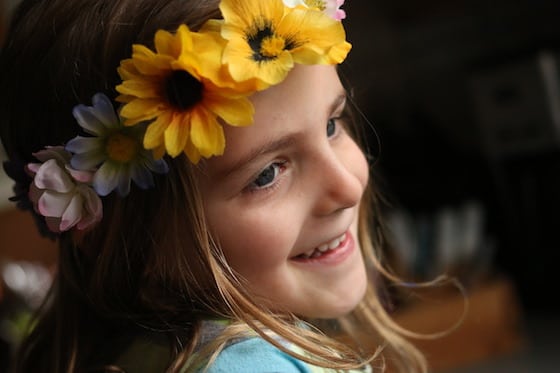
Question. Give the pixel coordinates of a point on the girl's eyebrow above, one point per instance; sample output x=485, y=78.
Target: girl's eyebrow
x=265, y=148
x=340, y=101
x=276, y=144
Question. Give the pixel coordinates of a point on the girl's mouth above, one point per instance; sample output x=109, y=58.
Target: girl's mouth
x=323, y=249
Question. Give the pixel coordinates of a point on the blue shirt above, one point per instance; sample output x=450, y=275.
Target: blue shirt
x=255, y=355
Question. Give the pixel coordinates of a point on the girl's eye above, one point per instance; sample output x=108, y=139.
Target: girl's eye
x=331, y=127
x=267, y=176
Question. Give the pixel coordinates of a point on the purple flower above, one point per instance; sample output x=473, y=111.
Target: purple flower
x=114, y=152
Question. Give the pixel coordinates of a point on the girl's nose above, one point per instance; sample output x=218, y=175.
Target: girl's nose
x=341, y=181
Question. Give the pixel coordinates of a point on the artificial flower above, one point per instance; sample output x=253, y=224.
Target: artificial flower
x=266, y=38
x=17, y=170
x=182, y=88
x=61, y=194
x=118, y=149
x=330, y=7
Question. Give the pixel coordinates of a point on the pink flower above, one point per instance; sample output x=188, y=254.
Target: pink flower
x=330, y=7
x=333, y=9
x=64, y=196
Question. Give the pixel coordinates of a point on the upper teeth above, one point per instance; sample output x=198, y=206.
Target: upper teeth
x=325, y=247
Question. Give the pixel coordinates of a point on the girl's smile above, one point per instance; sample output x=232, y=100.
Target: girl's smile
x=332, y=252
x=282, y=202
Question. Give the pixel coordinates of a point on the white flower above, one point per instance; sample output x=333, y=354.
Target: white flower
x=61, y=194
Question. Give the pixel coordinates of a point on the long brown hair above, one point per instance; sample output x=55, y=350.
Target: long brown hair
x=151, y=265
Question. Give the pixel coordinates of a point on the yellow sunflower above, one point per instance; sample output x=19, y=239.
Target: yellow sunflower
x=182, y=89
x=266, y=38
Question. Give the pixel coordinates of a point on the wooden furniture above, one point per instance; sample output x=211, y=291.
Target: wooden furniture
x=20, y=240
x=491, y=327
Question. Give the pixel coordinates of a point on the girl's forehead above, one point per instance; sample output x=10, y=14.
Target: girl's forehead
x=283, y=113
x=303, y=83
x=307, y=92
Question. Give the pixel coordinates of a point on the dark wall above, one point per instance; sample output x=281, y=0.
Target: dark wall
x=463, y=96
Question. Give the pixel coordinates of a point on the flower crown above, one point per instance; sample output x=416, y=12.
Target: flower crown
x=174, y=99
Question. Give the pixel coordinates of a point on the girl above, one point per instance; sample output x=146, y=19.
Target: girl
x=197, y=164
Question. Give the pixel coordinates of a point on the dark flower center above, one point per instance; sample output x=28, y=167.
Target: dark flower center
x=265, y=44
x=183, y=90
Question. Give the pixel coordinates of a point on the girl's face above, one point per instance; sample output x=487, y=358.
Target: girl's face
x=283, y=200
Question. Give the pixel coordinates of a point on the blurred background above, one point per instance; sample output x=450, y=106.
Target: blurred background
x=465, y=98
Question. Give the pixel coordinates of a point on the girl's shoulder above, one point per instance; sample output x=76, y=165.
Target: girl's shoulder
x=256, y=355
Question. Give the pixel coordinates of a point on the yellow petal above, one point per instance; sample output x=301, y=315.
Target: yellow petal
x=207, y=134
x=141, y=109
x=141, y=88
x=241, y=87
x=189, y=63
x=243, y=67
x=234, y=111
x=167, y=43
x=177, y=133
x=320, y=39
x=212, y=25
x=239, y=56
x=149, y=63
x=246, y=13
x=338, y=52
x=124, y=98
x=127, y=70
x=153, y=138
x=192, y=152
x=312, y=54
x=208, y=49
x=274, y=71
x=163, y=42
x=183, y=40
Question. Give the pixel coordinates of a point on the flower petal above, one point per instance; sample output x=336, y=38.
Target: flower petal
x=141, y=88
x=154, y=133
x=139, y=110
x=207, y=134
x=82, y=176
x=245, y=13
x=104, y=110
x=105, y=179
x=93, y=209
x=177, y=134
x=53, y=223
x=88, y=120
x=51, y=176
x=124, y=176
x=166, y=44
x=236, y=111
x=148, y=62
x=159, y=166
x=87, y=161
x=192, y=152
x=53, y=203
x=72, y=214
x=127, y=70
x=80, y=144
x=142, y=177
x=53, y=152
x=34, y=195
x=293, y=3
